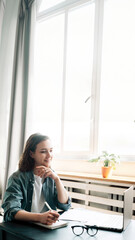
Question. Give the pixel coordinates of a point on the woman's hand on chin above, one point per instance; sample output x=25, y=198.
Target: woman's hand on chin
x=45, y=172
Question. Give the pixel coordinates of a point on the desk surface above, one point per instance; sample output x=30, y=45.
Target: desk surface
x=28, y=231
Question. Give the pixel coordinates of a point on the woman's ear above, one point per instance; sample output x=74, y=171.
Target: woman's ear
x=31, y=154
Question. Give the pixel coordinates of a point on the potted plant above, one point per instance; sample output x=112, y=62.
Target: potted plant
x=109, y=162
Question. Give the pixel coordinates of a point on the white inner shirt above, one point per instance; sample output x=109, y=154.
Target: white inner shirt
x=38, y=199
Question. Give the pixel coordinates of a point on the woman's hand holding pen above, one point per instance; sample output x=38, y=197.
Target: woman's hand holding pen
x=45, y=172
x=48, y=217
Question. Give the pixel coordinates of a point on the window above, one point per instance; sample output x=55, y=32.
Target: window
x=83, y=92
x=79, y=59
x=48, y=83
x=117, y=115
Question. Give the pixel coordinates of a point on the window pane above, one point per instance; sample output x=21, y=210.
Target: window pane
x=48, y=78
x=117, y=128
x=78, y=78
x=45, y=4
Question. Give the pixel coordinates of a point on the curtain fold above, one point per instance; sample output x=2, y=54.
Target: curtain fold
x=15, y=68
x=2, y=9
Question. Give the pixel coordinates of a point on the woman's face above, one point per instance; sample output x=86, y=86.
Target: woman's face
x=43, y=154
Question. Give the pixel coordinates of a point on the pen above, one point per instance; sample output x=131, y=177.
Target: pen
x=48, y=206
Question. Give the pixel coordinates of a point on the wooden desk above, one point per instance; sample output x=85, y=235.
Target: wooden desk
x=28, y=231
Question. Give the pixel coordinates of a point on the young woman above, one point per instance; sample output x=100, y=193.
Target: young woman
x=34, y=183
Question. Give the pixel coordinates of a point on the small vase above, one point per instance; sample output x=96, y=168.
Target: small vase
x=106, y=172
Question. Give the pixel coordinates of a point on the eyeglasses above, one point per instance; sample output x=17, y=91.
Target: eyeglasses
x=79, y=229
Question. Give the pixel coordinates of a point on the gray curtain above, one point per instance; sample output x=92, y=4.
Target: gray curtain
x=2, y=9
x=15, y=69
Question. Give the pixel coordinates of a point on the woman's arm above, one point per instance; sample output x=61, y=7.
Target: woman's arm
x=48, y=217
x=61, y=191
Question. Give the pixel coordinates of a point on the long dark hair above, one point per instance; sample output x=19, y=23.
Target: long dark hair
x=26, y=162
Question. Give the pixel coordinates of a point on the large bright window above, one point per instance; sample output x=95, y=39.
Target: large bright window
x=48, y=78
x=79, y=61
x=83, y=91
x=117, y=114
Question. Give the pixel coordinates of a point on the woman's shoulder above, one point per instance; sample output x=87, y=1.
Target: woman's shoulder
x=18, y=175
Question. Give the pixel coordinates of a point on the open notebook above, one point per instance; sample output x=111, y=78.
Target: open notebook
x=55, y=225
x=110, y=222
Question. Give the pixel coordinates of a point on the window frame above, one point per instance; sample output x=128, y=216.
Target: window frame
x=65, y=7
x=95, y=92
